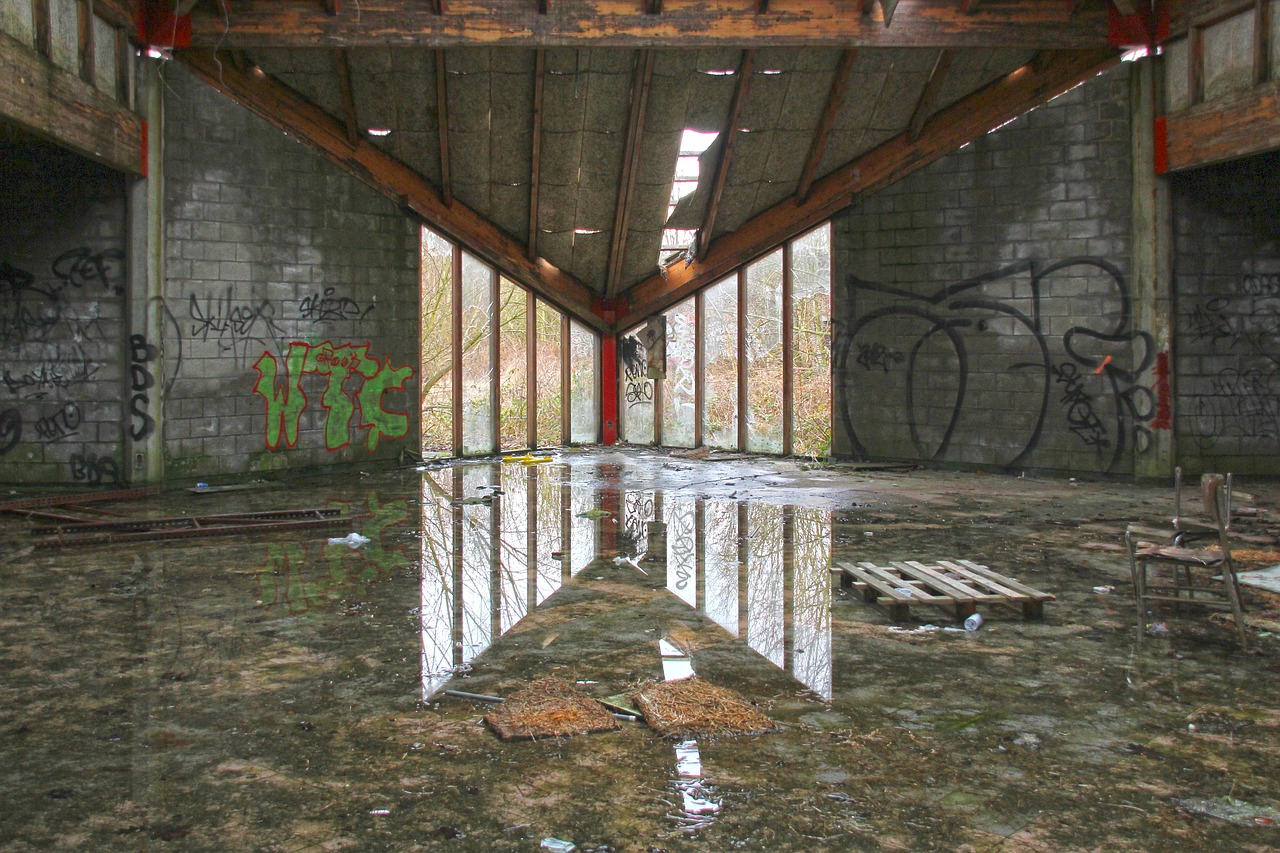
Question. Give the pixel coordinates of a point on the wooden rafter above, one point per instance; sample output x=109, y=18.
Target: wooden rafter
x=544, y=6
x=640, y=82
x=289, y=111
x=727, y=141
x=43, y=27
x=535, y=156
x=955, y=125
x=928, y=101
x=1261, y=41
x=442, y=124
x=1237, y=125
x=653, y=7
x=84, y=35
x=818, y=146
x=624, y=23
x=439, y=7
x=342, y=65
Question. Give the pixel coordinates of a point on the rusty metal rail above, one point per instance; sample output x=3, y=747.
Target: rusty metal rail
x=130, y=525
x=77, y=498
x=228, y=526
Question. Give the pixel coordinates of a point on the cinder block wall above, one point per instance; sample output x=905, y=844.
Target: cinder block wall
x=983, y=303
x=62, y=309
x=291, y=298
x=1227, y=344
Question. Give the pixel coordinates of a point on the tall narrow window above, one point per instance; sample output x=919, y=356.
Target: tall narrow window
x=513, y=362
x=549, y=403
x=437, y=344
x=584, y=361
x=637, y=389
x=763, y=347
x=811, y=342
x=678, y=414
x=720, y=364
x=477, y=318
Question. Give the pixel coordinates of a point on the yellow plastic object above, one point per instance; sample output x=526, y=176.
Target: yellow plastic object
x=527, y=459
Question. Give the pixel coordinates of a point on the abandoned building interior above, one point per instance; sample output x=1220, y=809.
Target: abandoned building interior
x=640, y=426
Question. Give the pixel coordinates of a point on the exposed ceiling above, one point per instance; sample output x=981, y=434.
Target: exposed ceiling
x=551, y=138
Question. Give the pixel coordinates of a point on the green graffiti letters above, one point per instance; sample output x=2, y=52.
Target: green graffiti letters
x=286, y=401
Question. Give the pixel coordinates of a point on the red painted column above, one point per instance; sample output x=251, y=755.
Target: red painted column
x=609, y=389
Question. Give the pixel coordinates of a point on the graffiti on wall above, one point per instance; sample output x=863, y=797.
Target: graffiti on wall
x=328, y=306
x=141, y=380
x=286, y=400
x=237, y=327
x=999, y=362
x=94, y=470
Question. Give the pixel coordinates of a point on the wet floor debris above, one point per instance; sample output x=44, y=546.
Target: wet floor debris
x=693, y=707
x=1234, y=811
x=549, y=707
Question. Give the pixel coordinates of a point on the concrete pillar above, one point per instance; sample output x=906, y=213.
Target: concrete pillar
x=1152, y=281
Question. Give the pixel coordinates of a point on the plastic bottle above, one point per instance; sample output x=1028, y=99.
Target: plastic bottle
x=974, y=622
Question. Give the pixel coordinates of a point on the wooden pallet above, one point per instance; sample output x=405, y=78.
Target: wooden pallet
x=961, y=584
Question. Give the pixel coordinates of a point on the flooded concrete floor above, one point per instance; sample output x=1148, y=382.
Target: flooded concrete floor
x=277, y=692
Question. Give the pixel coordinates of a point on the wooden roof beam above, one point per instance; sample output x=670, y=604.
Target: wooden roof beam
x=289, y=111
x=535, y=156
x=929, y=95
x=727, y=140
x=818, y=147
x=442, y=125
x=961, y=122
x=641, y=81
x=653, y=7
x=342, y=65
x=1028, y=24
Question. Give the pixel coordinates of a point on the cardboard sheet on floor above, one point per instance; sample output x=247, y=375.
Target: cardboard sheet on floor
x=549, y=707
x=692, y=707
x=1268, y=579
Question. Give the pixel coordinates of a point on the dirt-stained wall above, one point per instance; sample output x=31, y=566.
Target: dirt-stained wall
x=984, y=304
x=291, y=299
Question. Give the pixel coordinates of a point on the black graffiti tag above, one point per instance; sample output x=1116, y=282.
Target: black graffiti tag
x=1081, y=418
x=141, y=380
x=89, y=467
x=63, y=423
x=325, y=307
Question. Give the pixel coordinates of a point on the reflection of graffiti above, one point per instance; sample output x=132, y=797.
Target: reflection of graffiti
x=89, y=467
x=291, y=580
x=141, y=380
x=327, y=306
x=286, y=402
x=983, y=345
x=63, y=423
x=876, y=354
x=234, y=326
x=10, y=429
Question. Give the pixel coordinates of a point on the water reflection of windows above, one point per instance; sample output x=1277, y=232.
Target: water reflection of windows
x=765, y=583
x=721, y=563
x=682, y=548
x=811, y=599
x=438, y=650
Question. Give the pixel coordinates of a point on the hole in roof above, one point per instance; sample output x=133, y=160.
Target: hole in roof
x=586, y=231
x=719, y=72
x=1136, y=53
x=684, y=182
x=379, y=131
x=771, y=71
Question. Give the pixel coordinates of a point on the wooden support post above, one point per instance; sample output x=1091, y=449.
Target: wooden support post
x=457, y=349
x=788, y=356
x=442, y=123
x=531, y=368
x=742, y=358
x=43, y=27
x=535, y=157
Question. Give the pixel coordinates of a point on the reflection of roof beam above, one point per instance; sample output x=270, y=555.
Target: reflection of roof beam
x=818, y=147
x=442, y=124
x=535, y=156
x=289, y=111
x=623, y=23
x=49, y=101
x=961, y=122
x=929, y=96
x=342, y=64
x=639, y=98
x=746, y=68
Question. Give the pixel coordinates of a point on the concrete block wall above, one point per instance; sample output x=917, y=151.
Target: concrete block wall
x=1226, y=237
x=62, y=310
x=291, y=299
x=982, y=304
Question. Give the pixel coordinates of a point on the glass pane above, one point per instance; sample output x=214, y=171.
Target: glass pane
x=764, y=354
x=550, y=406
x=636, y=391
x=551, y=520
x=811, y=343
x=720, y=364
x=477, y=367
x=513, y=366
x=584, y=415
x=677, y=389
x=437, y=345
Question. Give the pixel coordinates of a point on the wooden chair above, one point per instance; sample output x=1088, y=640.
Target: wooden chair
x=1179, y=573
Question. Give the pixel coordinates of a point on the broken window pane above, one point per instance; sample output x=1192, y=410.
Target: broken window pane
x=720, y=364
x=677, y=391
x=477, y=363
x=811, y=343
x=437, y=344
x=548, y=401
x=584, y=422
x=763, y=345
x=513, y=366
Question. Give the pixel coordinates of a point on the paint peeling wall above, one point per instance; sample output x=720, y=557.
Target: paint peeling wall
x=983, y=304
x=290, y=299
x=1227, y=278
x=62, y=331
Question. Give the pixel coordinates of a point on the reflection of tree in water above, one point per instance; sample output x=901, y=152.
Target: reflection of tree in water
x=811, y=598
x=765, y=581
